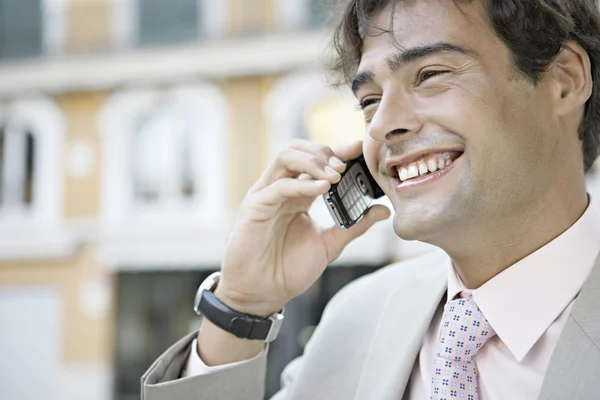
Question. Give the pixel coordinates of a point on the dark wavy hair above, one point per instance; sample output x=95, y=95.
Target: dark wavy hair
x=534, y=31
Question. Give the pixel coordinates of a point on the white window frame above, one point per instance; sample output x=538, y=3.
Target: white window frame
x=47, y=125
x=142, y=238
x=38, y=232
x=125, y=21
x=54, y=30
x=120, y=211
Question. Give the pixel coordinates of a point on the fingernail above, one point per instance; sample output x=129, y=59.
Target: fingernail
x=335, y=162
x=330, y=170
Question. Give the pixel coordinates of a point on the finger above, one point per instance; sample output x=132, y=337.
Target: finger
x=291, y=163
x=320, y=150
x=336, y=239
x=289, y=188
x=349, y=151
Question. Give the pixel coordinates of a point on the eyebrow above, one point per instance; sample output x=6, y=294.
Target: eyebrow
x=403, y=58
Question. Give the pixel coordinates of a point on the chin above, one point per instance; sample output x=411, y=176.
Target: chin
x=421, y=230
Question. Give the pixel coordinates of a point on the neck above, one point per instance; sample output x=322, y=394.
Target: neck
x=479, y=256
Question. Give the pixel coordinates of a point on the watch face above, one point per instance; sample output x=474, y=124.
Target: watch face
x=210, y=284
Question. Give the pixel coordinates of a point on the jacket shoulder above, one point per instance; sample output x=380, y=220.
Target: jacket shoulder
x=430, y=265
x=342, y=341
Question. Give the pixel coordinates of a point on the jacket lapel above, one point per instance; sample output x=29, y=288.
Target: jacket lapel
x=399, y=334
x=574, y=369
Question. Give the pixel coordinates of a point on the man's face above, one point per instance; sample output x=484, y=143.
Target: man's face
x=449, y=100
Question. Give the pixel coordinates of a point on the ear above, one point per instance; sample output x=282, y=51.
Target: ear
x=572, y=72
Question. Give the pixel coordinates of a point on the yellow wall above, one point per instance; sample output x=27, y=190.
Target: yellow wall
x=88, y=25
x=86, y=338
x=333, y=121
x=254, y=16
x=247, y=136
x=82, y=195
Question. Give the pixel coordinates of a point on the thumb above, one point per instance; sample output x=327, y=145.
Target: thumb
x=336, y=239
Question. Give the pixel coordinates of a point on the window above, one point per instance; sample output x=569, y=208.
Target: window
x=162, y=159
x=17, y=167
x=164, y=178
x=164, y=22
x=319, y=12
x=20, y=28
x=165, y=158
x=31, y=179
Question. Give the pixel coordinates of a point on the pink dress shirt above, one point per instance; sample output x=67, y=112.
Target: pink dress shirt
x=526, y=304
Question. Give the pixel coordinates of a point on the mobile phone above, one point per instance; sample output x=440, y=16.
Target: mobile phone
x=350, y=198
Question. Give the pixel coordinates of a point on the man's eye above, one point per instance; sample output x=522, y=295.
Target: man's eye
x=423, y=76
x=367, y=102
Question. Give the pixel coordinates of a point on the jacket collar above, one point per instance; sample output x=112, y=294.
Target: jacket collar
x=402, y=324
x=575, y=364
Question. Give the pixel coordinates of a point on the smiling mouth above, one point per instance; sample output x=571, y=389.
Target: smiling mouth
x=424, y=166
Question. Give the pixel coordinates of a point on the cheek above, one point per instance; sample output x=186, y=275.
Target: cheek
x=521, y=130
x=371, y=150
x=507, y=144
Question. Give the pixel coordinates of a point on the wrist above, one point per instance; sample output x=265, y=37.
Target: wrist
x=245, y=320
x=246, y=304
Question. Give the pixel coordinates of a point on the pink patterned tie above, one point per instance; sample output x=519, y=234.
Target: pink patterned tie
x=464, y=331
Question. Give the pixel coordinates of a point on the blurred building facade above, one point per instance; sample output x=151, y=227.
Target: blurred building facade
x=130, y=131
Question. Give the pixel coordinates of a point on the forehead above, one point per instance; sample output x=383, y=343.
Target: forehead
x=423, y=22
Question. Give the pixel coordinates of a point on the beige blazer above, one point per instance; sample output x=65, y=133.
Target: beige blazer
x=367, y=342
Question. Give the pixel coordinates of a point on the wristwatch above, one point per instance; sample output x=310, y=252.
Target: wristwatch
x=244, y=326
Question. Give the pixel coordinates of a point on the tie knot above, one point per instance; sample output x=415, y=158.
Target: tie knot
x=464, y=330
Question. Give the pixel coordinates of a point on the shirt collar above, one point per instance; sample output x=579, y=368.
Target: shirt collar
x=522, y=301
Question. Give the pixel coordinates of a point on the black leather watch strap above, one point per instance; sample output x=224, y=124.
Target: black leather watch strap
x=242, y=325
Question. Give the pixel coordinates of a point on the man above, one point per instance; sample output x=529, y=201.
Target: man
x=482, y=117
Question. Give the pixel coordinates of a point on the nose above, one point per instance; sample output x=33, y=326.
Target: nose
x=394, y=121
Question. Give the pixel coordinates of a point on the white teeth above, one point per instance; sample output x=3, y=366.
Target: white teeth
x=413, y=171
x=403, y=174
x=432, y=165
x=424, y=167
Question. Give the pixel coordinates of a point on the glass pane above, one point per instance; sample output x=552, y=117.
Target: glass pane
x=188, y=184
x=29, y=169
x=20, y=28
x=172, y=21
x=149, y=140
x=162, y=158
x=320, y=12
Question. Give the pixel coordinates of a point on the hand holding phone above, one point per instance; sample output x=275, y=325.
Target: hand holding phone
x=350, y=198
x=276, y=251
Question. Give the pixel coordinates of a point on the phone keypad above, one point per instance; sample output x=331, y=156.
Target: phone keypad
x=353, y=200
